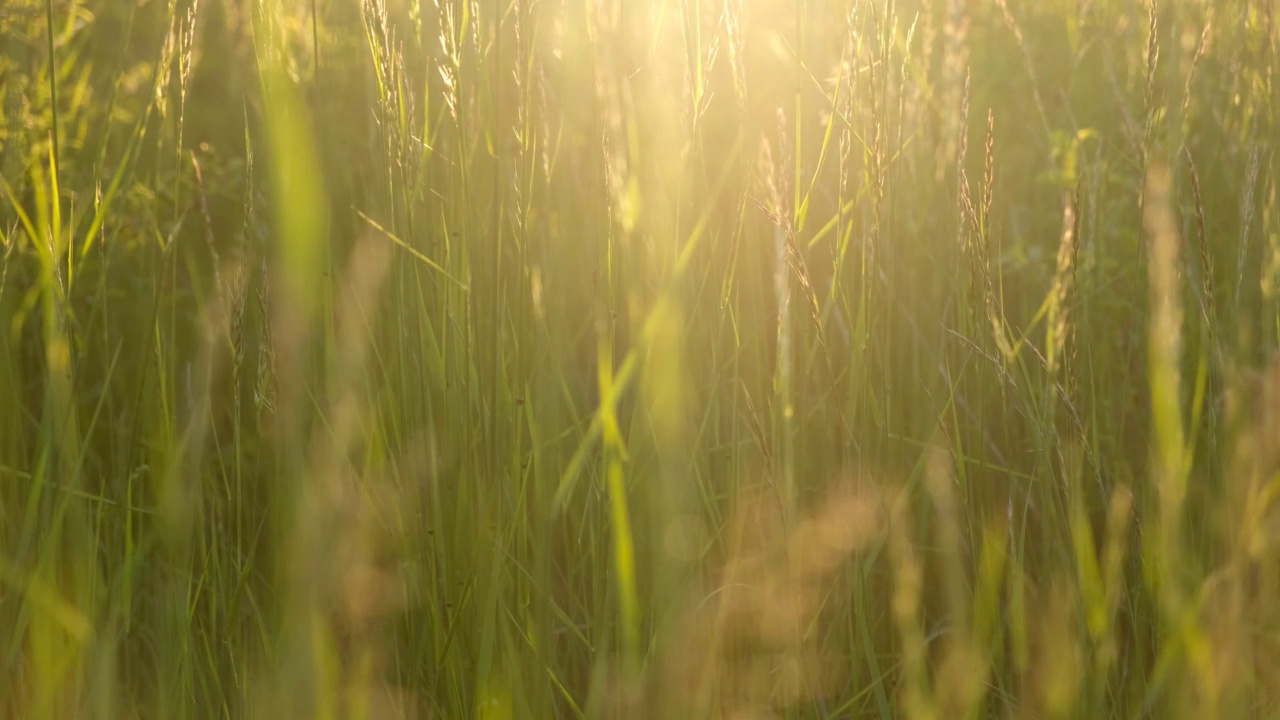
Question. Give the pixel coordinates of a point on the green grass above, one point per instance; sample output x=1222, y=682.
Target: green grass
x=724, y=359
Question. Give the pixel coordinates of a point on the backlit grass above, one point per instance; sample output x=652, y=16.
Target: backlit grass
x=707, y=359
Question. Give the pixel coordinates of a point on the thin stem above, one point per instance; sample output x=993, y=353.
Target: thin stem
x=53, y=82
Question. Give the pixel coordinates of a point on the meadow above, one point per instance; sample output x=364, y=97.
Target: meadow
x=639, y=359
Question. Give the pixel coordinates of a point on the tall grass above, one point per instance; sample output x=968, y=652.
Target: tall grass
x=886, y=358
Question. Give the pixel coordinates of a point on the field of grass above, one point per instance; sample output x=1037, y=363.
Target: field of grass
x=639, y=359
